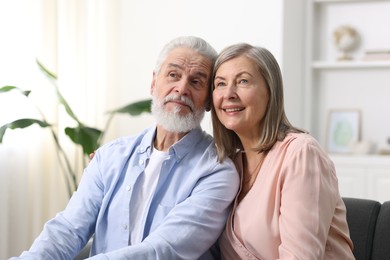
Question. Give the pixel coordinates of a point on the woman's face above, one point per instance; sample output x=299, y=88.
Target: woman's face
x=240, y=96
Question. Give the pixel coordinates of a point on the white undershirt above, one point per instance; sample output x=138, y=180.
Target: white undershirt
x=146, y=186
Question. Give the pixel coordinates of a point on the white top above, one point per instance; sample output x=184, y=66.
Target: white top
x=147, y=186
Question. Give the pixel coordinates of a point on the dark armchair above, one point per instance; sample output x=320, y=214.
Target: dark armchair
x=369, y=226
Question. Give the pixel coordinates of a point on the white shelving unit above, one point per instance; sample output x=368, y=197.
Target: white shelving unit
x=356, y=84
x=328, y=84
x=366, y=177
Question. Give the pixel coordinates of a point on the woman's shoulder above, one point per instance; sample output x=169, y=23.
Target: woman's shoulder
x=300, y=142
x=301, y=138
x=304, y=149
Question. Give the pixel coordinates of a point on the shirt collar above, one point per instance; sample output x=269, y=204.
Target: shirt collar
x=179, y=149
x=186, y=144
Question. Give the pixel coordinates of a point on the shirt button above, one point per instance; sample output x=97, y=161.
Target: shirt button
x=128, y=187
x=124, y=226
x=141, y=162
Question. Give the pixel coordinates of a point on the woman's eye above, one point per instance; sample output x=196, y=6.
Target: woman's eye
x=219, y=84
x=243, y=81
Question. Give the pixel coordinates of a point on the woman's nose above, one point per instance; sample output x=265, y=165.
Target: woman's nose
x=230, y=92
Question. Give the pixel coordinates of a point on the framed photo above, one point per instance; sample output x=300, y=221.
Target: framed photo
x=343, y=130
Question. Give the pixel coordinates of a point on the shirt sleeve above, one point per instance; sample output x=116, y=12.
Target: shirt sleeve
x=66, y=234
x=193, y=225
x=308, y=200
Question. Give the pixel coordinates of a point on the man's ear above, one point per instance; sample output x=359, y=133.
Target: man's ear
x=208, y=104
x=153, y=84
x=208, y=101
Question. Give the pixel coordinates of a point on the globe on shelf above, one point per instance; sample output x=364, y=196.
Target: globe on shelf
x=346, y=39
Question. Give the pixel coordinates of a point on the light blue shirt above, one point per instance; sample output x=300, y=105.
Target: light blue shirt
x=187, y=213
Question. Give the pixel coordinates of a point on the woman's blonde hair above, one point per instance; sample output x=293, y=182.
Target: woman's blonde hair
x=275, y=122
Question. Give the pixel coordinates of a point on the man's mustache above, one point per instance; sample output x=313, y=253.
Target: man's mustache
x=182, y=99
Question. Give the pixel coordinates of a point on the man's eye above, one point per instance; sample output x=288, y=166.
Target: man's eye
x=195, y=82
x=172, y=75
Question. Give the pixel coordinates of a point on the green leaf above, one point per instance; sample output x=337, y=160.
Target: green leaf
x=68, y=109
x=53, y=78
x=21, y=123
x=87, y=137
x=9, y=88
x=135, y=108
x=48, y=73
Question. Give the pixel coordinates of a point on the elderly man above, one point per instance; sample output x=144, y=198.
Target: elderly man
x=160, y=194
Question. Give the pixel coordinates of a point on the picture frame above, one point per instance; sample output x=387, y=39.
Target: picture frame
x=343, y=130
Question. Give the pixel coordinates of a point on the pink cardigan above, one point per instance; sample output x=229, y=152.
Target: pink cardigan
x=294, y=209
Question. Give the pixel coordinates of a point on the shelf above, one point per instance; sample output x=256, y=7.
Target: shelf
x=345, y=1
x=371, y=159
x=350, y=64
x=358, y=83
x=329, y=84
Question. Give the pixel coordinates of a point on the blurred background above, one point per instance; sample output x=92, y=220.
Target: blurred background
x=104, y=51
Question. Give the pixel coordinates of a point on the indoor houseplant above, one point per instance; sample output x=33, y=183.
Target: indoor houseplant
x=83, y=136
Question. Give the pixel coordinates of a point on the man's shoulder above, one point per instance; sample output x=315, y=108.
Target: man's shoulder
x=125, y=143
x=200, y=134
x=195, y=142
x=199, y=148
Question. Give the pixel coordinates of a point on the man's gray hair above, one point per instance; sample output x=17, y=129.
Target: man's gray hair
x=195, y=43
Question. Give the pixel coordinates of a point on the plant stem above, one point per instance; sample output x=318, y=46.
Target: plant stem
x=67, y=168
x=71, y=175
x=100, y=140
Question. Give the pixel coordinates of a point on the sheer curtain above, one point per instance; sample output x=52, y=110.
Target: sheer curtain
x=75, y=39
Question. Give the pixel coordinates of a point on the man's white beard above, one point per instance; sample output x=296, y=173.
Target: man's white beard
x=172, y=121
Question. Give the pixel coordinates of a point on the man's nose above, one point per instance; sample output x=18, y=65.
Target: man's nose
x=182, y=87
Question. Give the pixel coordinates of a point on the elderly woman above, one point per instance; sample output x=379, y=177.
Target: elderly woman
x=289, y=206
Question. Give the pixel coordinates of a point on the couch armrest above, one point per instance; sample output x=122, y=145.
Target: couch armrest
x=381, y=247
x=362, y=217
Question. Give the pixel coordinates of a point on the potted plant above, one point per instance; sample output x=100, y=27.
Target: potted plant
x=83, y=136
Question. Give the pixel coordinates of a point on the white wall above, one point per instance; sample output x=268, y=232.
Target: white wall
x=27, y=161
x=145, y=26
x=133, y=36
x=293, y=60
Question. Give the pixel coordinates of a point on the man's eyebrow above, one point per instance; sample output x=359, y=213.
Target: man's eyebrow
x=202, y=74
x=174, y=65
x=198, y=73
